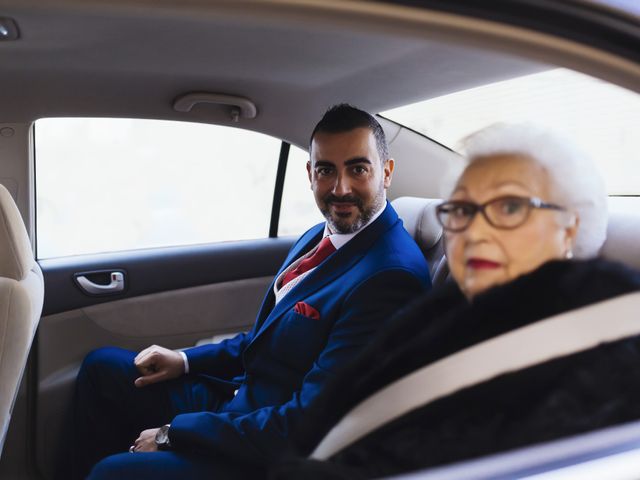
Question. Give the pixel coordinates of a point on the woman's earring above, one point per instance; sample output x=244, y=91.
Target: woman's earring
x=569, y=254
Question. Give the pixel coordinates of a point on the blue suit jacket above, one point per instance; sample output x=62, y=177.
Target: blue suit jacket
x=286, y=359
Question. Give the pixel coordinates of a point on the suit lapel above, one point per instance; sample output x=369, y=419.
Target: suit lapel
x=328, y=271
x=309, y=240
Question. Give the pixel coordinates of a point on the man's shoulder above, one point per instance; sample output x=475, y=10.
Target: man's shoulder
x=392, y=247
x=397, y=246
x=393, y=251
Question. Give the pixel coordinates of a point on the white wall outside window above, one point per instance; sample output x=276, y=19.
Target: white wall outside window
x=601, y=118
x=299, y=211
x=107, y=185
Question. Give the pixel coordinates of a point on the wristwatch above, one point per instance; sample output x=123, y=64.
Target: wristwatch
x=162, y=438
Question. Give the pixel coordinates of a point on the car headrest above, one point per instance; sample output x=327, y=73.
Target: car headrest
x=16, y=256
x=622, y=244
x=419, y=218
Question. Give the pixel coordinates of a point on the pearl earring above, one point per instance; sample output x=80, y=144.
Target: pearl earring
x=569, y=254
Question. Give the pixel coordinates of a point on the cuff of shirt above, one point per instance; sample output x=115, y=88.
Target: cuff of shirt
x=186, y=362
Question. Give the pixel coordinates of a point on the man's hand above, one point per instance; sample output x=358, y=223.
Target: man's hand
x=146, y=441
x=157, y=364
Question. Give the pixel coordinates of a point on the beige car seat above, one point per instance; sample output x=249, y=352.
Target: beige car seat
x=21, y=298
x=623, y=235
x=419, y=219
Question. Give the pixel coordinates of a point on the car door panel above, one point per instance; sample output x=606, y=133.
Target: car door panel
x=156, y=270
x=174, y=297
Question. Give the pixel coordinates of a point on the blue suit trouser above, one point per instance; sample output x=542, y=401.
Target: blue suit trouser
x=110, y=412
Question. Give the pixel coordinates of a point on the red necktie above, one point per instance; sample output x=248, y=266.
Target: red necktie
x=325, y=248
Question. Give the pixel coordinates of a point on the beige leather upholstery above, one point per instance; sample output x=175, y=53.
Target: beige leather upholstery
x=419, y=218
x=623, y=239
x=21, y=297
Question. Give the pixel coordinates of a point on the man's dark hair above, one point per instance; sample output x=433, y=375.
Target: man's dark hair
x=344, y=117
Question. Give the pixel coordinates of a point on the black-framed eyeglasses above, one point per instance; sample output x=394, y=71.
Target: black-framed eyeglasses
x=506, y=212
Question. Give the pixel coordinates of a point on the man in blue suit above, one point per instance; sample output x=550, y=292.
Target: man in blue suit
x=226, y=410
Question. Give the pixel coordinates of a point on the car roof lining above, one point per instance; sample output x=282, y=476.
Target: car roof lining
x=93, y=58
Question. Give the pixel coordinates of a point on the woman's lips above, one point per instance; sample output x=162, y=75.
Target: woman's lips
x=481, y=263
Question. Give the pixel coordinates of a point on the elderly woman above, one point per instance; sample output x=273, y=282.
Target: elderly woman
x=526, y=204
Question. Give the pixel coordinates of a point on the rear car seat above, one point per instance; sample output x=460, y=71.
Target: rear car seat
x=419, y=218
x=623, y=239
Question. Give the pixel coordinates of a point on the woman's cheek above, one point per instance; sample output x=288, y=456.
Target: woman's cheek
x=455, y=256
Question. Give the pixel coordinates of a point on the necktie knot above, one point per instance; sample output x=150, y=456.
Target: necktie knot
x=324, y=249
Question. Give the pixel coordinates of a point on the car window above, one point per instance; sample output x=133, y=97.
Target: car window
x=107, y=185
x=600, y=117
x=299, y=211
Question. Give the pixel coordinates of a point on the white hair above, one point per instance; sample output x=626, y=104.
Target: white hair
x=575, y=181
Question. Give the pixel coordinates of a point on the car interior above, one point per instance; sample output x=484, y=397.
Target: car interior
x=268, y=68
x=22, y=294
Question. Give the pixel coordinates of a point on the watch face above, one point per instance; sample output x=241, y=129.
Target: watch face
x=162, y=436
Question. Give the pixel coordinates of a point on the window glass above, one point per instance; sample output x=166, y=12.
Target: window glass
x=118, y=184
x=299, y=211
x=600, y=117
x=628, y=6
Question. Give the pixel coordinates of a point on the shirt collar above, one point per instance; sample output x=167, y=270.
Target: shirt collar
x=340, y=239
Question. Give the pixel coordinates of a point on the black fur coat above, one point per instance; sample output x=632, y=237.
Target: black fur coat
x=585, y=391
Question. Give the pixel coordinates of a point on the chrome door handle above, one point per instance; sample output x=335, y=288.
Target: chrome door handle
x=116, y=285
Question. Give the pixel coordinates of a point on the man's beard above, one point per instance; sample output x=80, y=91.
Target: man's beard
x=346, y=225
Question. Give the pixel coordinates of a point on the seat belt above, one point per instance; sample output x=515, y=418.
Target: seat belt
x=553, y=337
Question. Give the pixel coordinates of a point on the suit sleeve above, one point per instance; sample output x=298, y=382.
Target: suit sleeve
x=222, y=359
x=262, y=435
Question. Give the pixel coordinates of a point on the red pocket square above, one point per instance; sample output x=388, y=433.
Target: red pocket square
x=306, y=310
